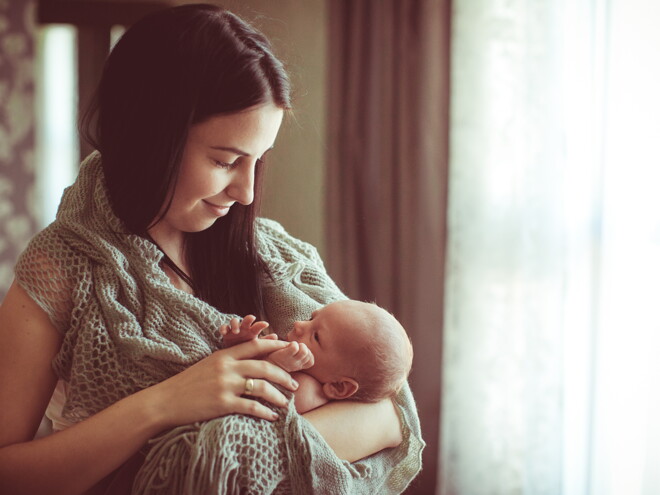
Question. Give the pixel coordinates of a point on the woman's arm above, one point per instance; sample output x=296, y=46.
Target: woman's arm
x=73, y=460
x=355, y=430
x=70, y=461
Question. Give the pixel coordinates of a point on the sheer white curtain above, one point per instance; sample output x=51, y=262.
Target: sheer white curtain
x=553, y=272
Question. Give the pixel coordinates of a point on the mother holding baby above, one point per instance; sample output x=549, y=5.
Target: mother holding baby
x=112, y=325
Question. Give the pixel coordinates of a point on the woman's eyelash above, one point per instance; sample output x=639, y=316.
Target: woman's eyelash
x=218, y=163
x=224, y=164
x=316, y=336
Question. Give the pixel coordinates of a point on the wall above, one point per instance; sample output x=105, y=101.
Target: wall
x=17, y=217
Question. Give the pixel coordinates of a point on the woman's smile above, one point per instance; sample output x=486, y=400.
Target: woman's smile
x=217, y=210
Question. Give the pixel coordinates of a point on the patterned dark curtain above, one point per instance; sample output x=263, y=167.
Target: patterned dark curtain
x=17, y=137
x=387, y=176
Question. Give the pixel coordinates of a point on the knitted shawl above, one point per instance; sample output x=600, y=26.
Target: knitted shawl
x=126, y=327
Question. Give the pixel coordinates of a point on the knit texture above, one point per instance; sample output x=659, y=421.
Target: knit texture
x=125, y=327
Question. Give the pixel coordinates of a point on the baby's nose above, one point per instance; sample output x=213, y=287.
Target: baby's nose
x=293, y=333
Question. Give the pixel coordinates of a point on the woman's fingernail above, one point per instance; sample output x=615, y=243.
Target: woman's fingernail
x=294, y=383
x=274, y=415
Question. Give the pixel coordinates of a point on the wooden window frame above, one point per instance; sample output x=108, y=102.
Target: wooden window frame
x=93, y=21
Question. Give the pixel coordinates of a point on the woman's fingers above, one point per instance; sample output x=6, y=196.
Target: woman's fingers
x=264, y=370
x=264, y=390
x=256, y=348
x=254, y=408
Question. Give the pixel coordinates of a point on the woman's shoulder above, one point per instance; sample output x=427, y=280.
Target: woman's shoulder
x=47, y=249
x=47, y=270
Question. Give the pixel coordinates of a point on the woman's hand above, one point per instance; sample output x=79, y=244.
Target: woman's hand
x=217, y=385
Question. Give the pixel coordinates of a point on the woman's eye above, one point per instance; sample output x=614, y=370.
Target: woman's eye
x=220, y=164
x=316, y=336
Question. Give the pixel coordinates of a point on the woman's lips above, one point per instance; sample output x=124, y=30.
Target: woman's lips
x=218, y=211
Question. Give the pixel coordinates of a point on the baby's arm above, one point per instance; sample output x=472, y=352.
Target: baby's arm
x=309, y=394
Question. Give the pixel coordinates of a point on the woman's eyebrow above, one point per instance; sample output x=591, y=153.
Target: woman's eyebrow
x=236, y=151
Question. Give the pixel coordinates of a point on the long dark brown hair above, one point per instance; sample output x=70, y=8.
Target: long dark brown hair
x=171, y=70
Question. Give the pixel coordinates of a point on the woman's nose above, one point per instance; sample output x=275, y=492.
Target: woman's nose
x=241, y=188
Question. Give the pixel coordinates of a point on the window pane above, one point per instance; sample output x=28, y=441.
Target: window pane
x=57, y=142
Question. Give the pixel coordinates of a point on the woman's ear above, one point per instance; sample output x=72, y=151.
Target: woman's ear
x=341, y=389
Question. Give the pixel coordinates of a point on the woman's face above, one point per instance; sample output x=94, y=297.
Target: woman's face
x=218, y=168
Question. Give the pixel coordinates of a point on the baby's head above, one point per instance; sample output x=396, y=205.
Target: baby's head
x=360, y=350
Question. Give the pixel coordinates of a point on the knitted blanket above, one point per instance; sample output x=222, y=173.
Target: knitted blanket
x=126, y=327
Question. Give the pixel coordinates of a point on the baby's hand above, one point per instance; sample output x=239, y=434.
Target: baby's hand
x=238, y=331
x=294, y=357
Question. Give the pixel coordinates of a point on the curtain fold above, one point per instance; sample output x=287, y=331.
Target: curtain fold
x=387, y=176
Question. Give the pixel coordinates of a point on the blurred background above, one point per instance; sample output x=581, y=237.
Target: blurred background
x=487, y=170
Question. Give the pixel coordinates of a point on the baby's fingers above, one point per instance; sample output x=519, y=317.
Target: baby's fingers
x=251, y=327
x=235, y=324
x=258, y=327
x=247, y=322
x=306, y=357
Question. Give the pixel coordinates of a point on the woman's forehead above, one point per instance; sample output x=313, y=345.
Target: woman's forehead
x=251, y=132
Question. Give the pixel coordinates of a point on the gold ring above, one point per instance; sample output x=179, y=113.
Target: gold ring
x=249, y=385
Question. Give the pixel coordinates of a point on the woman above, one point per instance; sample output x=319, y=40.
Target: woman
x=155, y=246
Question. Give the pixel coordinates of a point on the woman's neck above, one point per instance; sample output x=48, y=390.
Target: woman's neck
x=172, y=243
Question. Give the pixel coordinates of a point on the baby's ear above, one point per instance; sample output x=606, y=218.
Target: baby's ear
x=341, y=389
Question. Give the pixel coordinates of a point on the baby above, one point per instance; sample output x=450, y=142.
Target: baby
x=347, y=349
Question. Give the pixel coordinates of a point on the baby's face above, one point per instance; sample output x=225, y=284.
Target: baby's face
x=333, y=334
